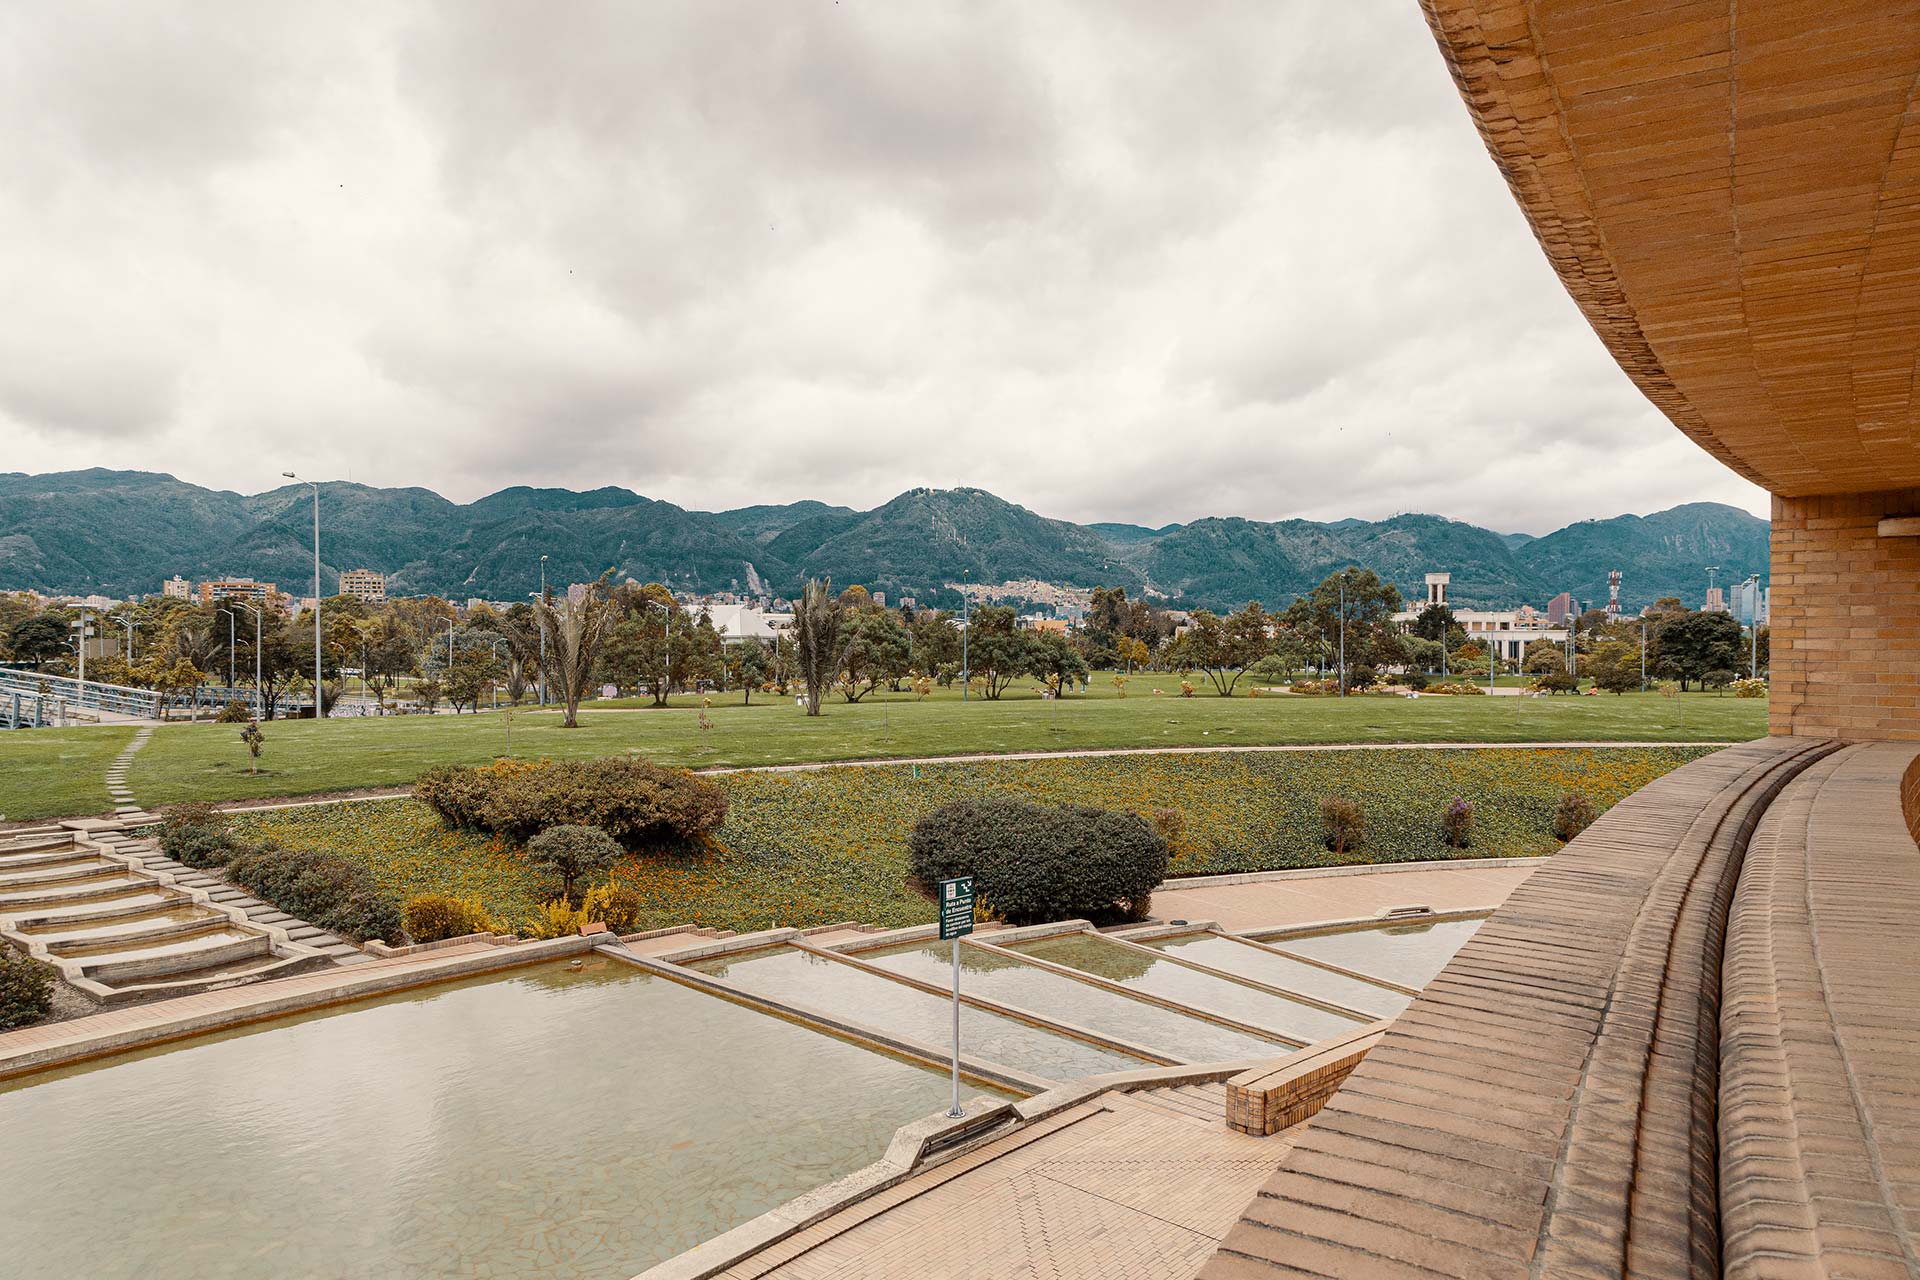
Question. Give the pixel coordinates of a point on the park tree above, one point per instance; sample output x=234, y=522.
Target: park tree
x=998, y=652
x=1543, y=658
x=747, y=665
x=1055, y=660
x=1366, y=603
x=1223, y=648
x=1433, y=623
x=37, y=639
x=470, y=677
x=1133, y=652
x=1615, y=666
x=575, y=629
x=1686, y=646
x=873, y=647
x=816, y=639
x=1420, y=652
x=936, y=640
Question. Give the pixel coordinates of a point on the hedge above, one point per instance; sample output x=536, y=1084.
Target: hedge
x=1032, y=863
x=818, y=846
x=324, y=889
x=26, y=989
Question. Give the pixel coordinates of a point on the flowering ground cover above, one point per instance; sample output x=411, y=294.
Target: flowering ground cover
x=818, y=846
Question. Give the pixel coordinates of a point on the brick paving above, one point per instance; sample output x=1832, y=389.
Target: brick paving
x=1547, y=1106
x=1124, y=1185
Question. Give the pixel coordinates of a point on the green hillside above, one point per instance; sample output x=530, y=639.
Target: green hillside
x=124, y=532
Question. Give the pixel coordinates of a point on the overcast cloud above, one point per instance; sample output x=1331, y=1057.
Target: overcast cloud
x=1123, y=261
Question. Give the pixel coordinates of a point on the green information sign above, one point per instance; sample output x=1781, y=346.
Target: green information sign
x=956, y=907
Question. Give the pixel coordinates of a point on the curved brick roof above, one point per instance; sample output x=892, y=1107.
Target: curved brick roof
x=1731, y=193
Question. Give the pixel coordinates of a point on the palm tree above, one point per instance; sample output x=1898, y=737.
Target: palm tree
x=575, y=630
x=816, y=637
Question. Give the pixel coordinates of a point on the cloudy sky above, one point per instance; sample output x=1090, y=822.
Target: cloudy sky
x=1111, y=260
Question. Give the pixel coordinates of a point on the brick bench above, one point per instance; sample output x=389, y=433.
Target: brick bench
x=1547, y=1106
x=1819, y=1129
x=1266, y=1100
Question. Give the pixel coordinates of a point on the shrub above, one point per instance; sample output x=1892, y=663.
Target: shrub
x=572, y=851
x=1315, y=688
x=555, y=919
x=1718, y=678
x=198, y=835
x=1456, y=823
x=1415, y=680
x=1343, y=824
x=1034, y=863
x=1572, y=815
x=434, y=917
x=1750, y=688
x=1555, y=682
x=633, y=801
x=234, y=712
x=322, y=888
x=614, y=905
x=1457, y=688
x=26, y=990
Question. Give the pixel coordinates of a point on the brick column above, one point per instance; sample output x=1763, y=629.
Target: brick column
x=1845, y=632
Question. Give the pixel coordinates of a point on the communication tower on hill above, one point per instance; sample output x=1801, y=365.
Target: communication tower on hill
x=1613, y=594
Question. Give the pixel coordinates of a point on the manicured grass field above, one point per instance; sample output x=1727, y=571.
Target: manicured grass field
x=302, y=757
x=821, y=846
x=57, y=772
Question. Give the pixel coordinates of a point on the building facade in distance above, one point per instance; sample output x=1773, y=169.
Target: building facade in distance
x=364, y=584
x=1507, y=631
x=235, y=589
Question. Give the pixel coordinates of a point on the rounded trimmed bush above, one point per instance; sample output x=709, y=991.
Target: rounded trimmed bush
x=26, y=990
x=636, y=802
x=1035, y=863
x=573, y=852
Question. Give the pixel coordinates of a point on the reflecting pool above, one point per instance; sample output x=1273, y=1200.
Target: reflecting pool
x=542, y=1122
x=1410, y=954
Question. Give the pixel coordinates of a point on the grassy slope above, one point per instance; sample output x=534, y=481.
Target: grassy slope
x=822, y=846
x=207, y=761
x=57, y=772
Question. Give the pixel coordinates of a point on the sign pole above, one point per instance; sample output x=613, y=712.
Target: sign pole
x=955, y=1112
x=956, y=921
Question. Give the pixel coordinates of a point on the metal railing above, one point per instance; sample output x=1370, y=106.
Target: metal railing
x=34, y=699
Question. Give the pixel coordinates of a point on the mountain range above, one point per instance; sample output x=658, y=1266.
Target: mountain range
x=124, y=532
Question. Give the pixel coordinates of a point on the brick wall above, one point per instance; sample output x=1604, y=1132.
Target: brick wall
x=1846, y=618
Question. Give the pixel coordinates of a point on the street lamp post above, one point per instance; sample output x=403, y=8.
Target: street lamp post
x=966, y=675
x=1343, y=633
x=318, y=710
x=128, y=624
x=259, y=695
x=83, y=646
x=1753, y=623
x=1643, y=655
x=543, y=631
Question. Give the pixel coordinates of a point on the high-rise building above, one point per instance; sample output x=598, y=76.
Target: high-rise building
x=364, y=584
x=1560, y=608
x=235, y=588
x=176, y=588
x=1716, y=601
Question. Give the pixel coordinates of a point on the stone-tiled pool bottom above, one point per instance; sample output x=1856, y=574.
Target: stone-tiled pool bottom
x=549, y=1122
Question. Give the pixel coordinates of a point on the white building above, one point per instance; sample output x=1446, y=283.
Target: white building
x=1508, y=631
x=744, y=622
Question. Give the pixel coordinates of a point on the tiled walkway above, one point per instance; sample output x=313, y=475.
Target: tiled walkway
x=1126, y=1185
x=1307, y=896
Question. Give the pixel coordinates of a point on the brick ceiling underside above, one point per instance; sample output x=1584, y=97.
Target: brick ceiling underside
x=1731, y=193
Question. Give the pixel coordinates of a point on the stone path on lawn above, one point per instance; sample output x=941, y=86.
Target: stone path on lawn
x=124, y=805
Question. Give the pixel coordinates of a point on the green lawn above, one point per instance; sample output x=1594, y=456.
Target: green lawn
x=55, y=772
x=47, y=773
x=302, y=757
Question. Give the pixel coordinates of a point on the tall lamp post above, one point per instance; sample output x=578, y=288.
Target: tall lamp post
x=259, y=696
x=128, y=624
x=1343, y=633
x=315, y=486
x=966, y=676
x=543, y=632
x=230, y=647
x=1753, y=623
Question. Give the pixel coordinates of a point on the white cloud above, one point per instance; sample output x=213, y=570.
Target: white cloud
x=1127, y=261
